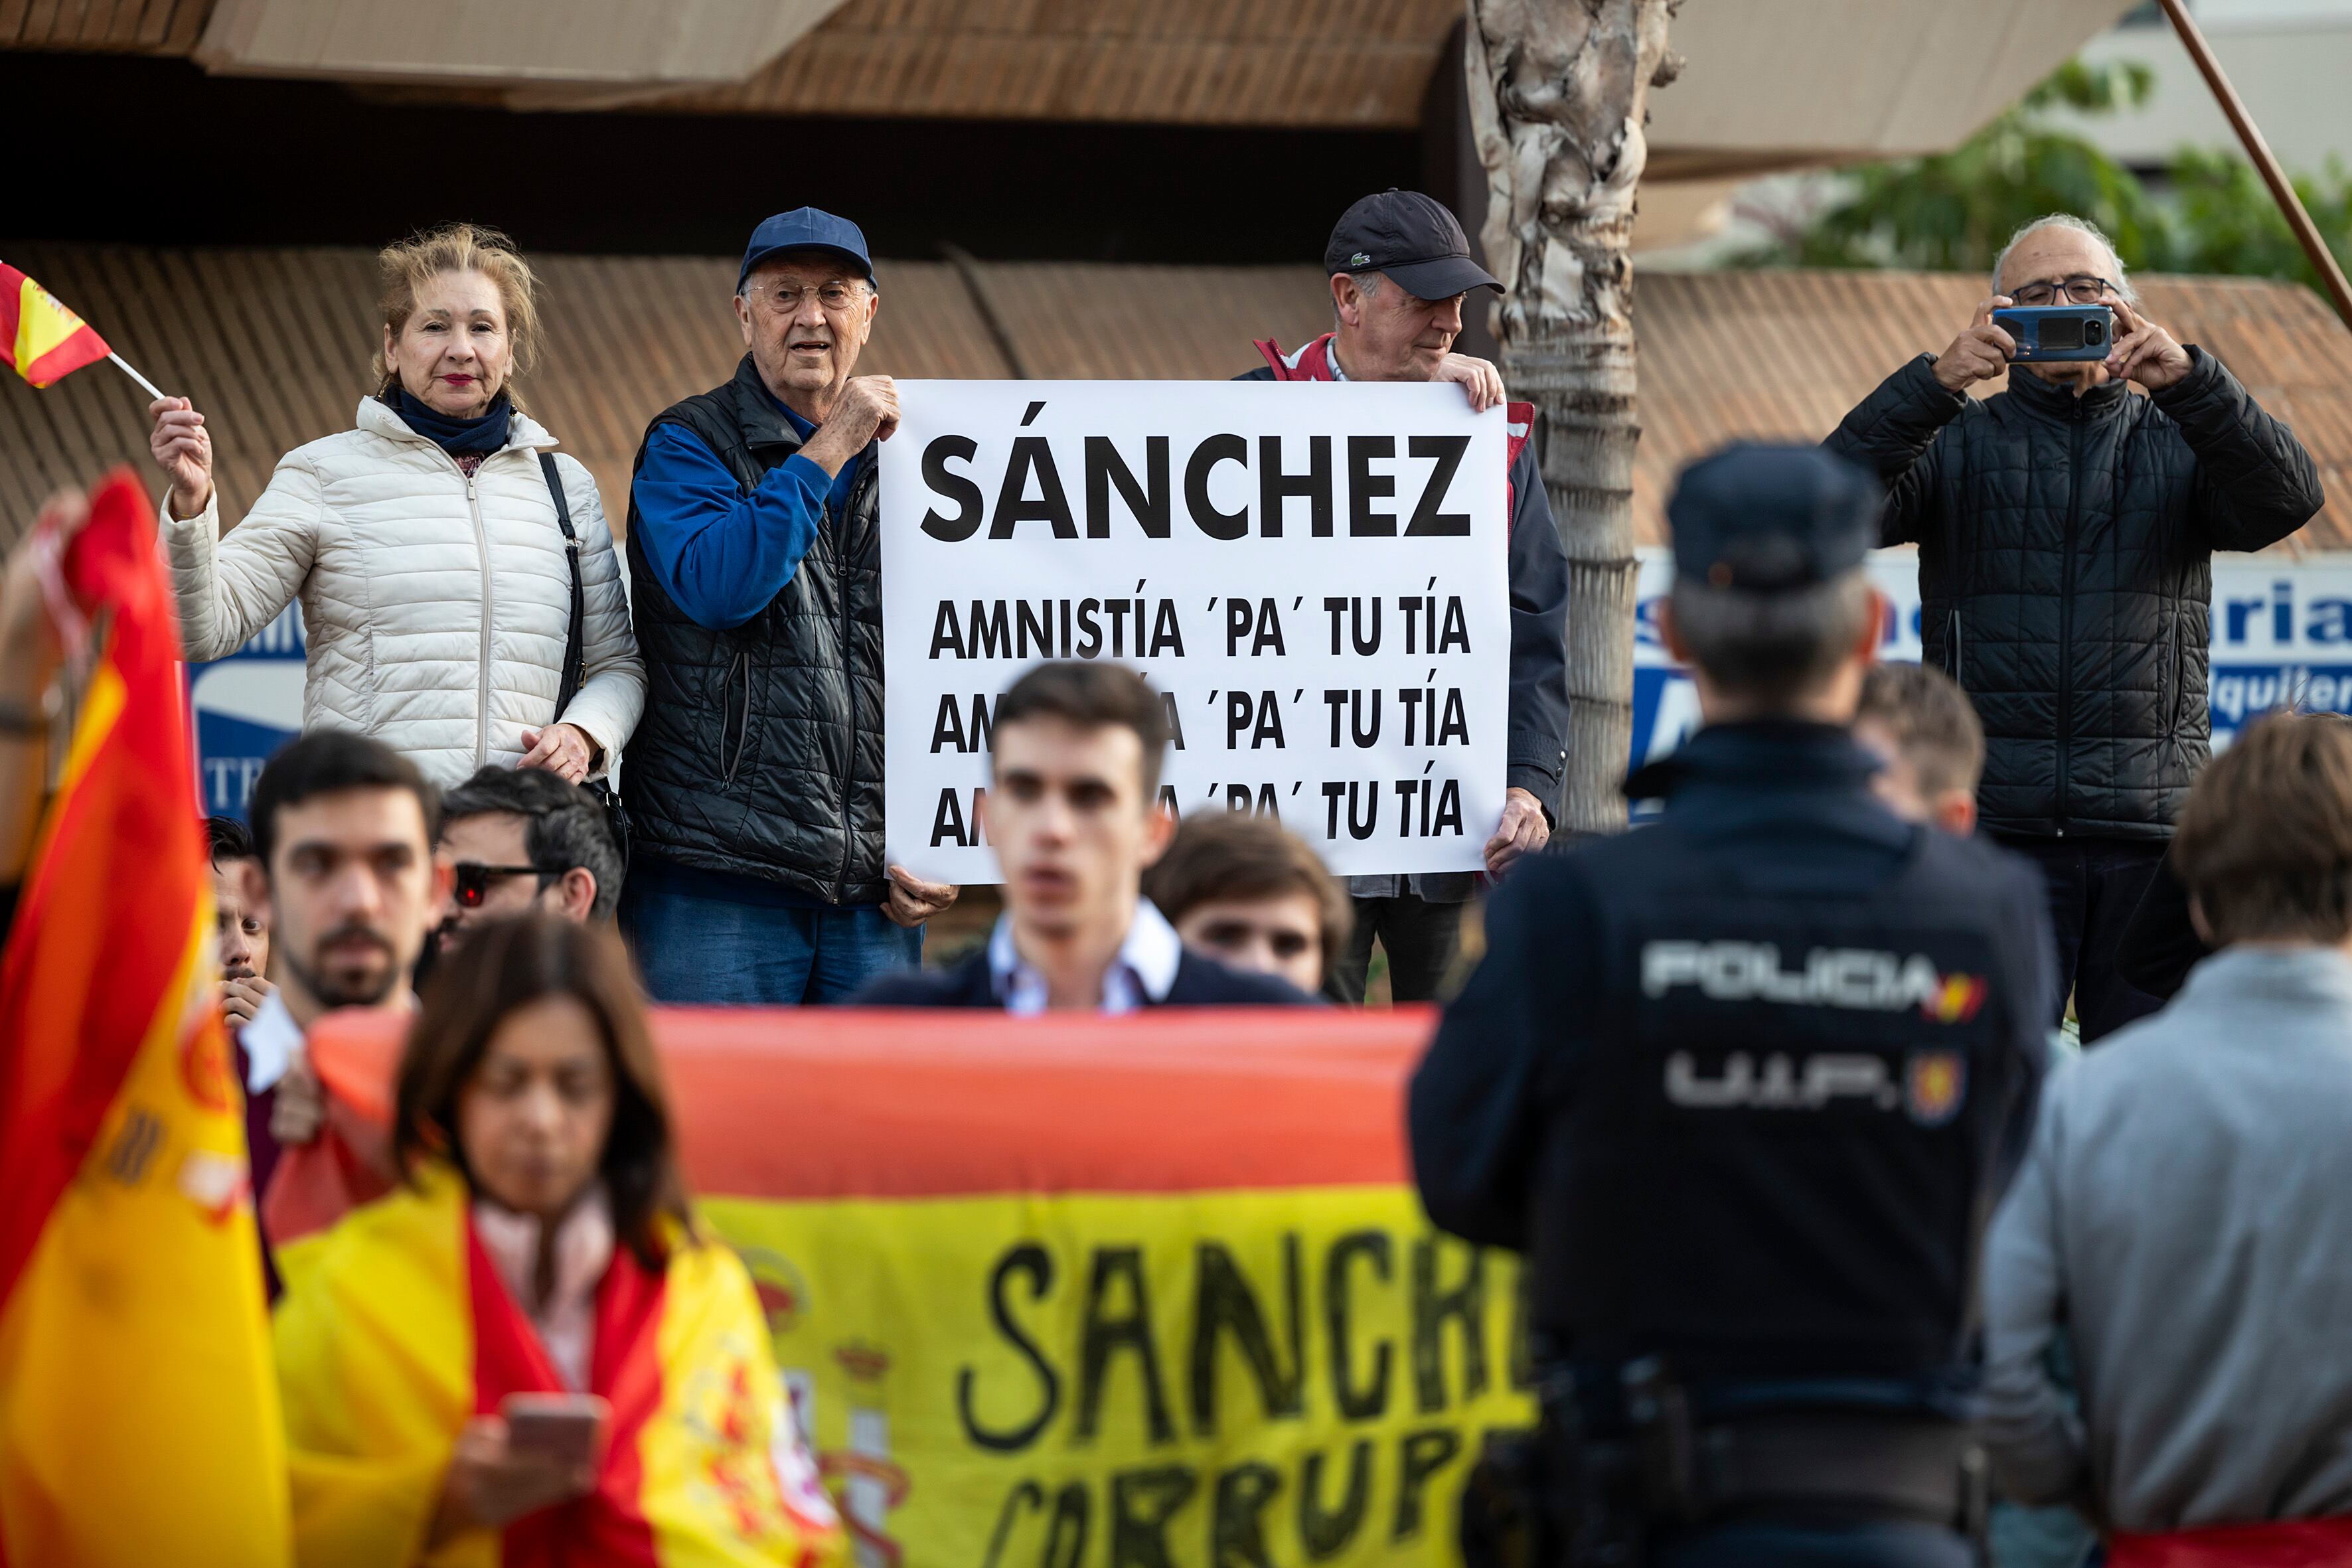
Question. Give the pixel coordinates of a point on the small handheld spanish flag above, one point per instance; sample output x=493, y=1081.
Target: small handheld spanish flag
x=39, y=338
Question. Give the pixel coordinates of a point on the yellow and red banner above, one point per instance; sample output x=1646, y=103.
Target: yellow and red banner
x=138, y=1416
x=1154, y=1289
x=40, y=340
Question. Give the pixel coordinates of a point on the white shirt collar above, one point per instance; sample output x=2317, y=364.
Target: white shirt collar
x=1144, y=969
x=270, y=1041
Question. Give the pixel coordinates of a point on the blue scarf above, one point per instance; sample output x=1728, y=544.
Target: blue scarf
x=481, y=436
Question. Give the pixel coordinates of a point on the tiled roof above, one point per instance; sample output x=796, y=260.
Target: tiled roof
x=1087, y=319
x=1192, y=62
x=273, y=346
x=1360, y=63
x=160, y=27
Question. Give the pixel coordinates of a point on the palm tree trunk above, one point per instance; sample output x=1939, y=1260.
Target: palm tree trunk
x=1558, y=94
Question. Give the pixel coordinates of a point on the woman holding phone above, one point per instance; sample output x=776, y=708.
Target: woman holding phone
x=527, y=1351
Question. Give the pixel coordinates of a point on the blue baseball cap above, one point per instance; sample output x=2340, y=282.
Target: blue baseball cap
x=1769, y=519
x=806, y=228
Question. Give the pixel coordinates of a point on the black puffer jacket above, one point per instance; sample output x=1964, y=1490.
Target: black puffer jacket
x=761, y=750
x=2066, y=572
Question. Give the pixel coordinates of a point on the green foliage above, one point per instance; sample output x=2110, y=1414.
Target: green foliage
x=2091, y=90
x=1954, y=211
x=2223, y=219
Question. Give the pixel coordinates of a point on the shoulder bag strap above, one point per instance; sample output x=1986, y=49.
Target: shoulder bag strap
x=573, y=652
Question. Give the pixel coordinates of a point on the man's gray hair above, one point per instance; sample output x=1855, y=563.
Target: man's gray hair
x=2080, y=226
x=1770, y=649
x=1368, y=282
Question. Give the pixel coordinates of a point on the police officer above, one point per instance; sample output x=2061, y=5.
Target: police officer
x=1745, y=1085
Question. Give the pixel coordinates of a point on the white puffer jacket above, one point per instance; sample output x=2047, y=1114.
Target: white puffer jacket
x=435, y=606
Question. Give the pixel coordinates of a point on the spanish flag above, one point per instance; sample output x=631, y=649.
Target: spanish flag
x=397, y=1329
x=139, y=1420
x=1146, y=1291
x=39, y=338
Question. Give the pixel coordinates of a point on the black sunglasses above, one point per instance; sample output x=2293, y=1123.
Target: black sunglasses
x=474, y=879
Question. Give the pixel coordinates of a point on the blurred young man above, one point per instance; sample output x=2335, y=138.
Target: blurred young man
x=343, y=827
x=1400, y=275
x=2181, y=1211
x=1073, y=814
x=1250, y=894
x=514, y=840
x=1924, y=732
x=243, y=927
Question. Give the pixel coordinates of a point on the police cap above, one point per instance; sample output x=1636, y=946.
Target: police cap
x=1771, y=519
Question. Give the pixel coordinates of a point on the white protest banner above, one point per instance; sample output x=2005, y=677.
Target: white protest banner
x=1313, y=576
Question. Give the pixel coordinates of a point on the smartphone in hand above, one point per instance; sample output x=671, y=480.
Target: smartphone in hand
x=567, y=1429
x=2058, y=332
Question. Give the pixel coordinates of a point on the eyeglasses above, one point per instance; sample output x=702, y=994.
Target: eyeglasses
x=474, y=879
x=787, y=301
x=2082, y=289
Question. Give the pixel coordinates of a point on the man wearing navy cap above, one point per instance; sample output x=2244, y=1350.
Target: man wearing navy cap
x=1745, y=1087
x=1401, y=272
x=754, y=787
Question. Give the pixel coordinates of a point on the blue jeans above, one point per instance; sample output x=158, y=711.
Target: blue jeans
x=695, y=947
x=1761, y=1545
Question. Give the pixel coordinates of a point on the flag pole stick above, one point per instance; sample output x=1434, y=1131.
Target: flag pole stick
x=125, y=366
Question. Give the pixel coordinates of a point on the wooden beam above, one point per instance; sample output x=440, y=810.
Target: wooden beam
x=2290, y=205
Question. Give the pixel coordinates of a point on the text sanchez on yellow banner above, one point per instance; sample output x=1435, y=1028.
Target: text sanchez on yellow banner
x=1151, y=1292
x=1141, y=1292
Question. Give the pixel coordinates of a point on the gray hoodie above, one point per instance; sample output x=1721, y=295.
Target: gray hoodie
x=2186, y=1208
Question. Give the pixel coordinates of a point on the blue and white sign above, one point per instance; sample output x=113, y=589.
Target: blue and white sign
x=244, y=707
x=2282, y=638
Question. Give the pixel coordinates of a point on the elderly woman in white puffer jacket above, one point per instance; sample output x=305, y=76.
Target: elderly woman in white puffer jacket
x=424, y=545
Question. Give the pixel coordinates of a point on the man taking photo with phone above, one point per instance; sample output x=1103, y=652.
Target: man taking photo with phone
x=2066, y=528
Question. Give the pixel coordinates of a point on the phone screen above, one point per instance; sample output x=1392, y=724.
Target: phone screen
x=564, y=1428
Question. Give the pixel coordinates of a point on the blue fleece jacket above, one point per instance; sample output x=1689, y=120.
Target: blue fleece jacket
x=719, y=554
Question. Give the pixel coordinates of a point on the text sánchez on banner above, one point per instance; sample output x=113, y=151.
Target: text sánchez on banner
x=1316, y=583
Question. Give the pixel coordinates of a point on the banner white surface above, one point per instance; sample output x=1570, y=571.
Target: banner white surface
x=1313, y=577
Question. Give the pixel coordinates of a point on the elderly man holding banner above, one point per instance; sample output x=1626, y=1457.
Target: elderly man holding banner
x=755, y=785
x=1400, y=271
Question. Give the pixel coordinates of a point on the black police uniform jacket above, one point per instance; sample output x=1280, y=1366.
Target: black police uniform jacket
x=761, y=749
x=2066, y=572
x=1746, y=1084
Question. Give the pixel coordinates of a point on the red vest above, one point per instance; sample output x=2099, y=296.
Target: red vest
x=2288, y=1543
x=1313, y=363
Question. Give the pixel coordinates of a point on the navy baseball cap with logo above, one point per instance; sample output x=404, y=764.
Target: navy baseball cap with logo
x=806, y=228
x=1772, y=519
x=1411, y=237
